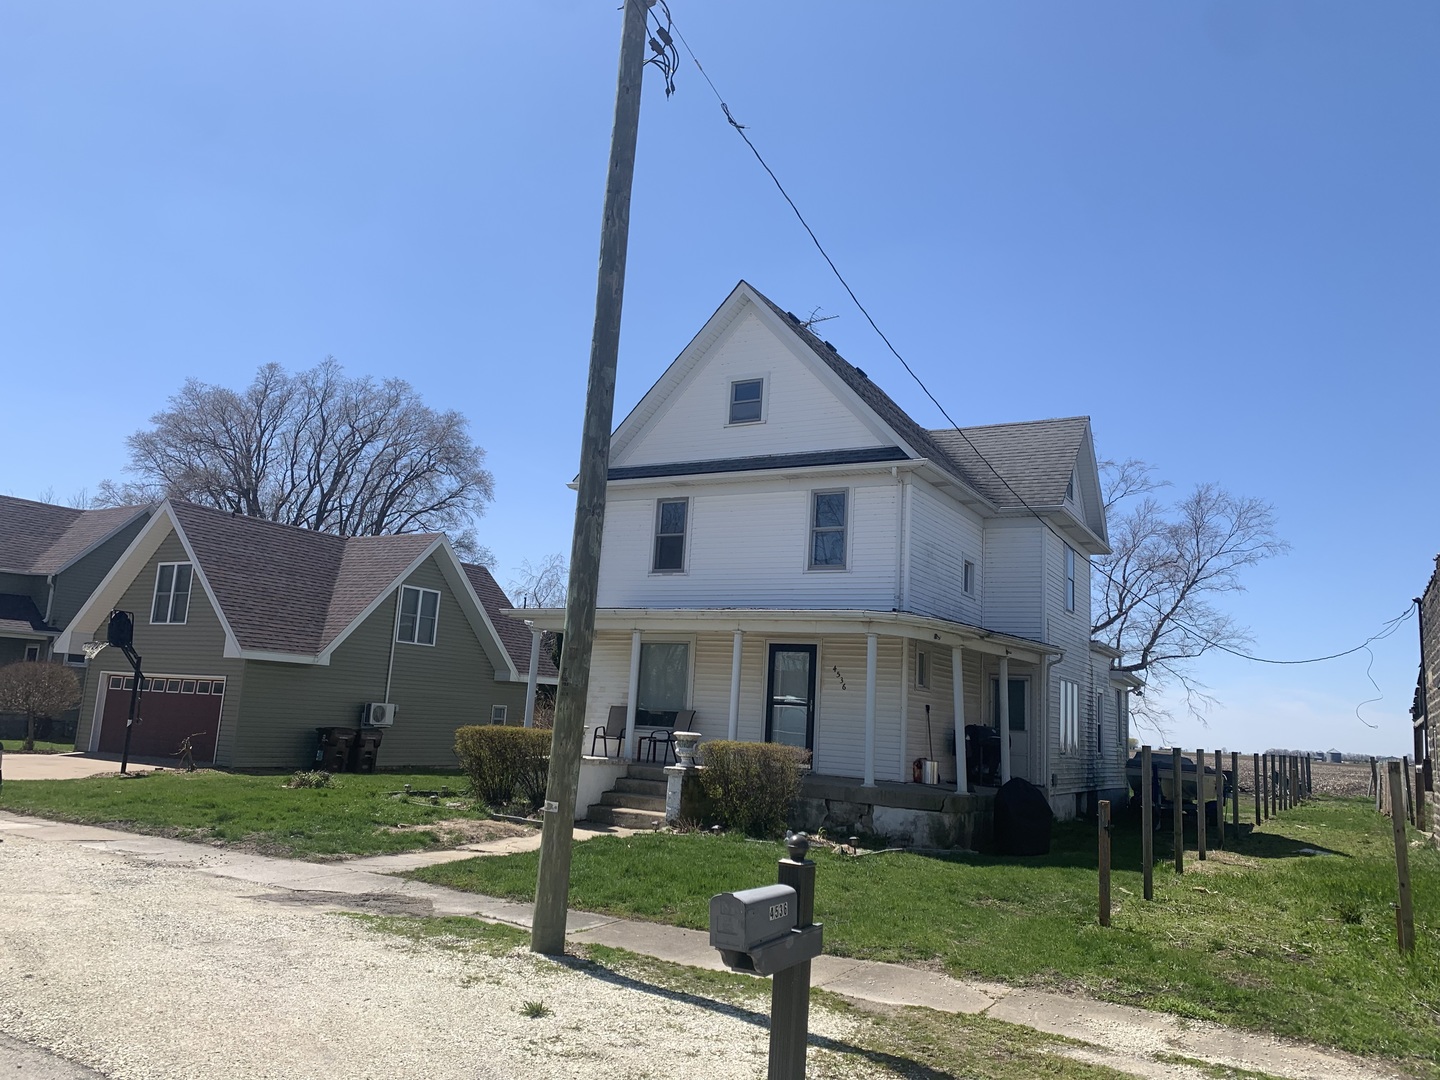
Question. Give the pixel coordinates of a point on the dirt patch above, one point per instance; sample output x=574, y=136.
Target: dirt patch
x=454, y=832
x=369, y=903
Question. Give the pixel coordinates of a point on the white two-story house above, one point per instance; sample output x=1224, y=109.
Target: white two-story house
x=791, y=556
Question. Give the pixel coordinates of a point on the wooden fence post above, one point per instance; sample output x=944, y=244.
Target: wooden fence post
x=1409, y=798
x=1235, y=793
x=1375, y=783
x=1420, y=822
x=1219, y=805
x=1405, y=915
x=1266, y=781
x=1257, y=790
x=1147, y=822
x=1202, y=819
x=1104, y=862
x=1177, y=807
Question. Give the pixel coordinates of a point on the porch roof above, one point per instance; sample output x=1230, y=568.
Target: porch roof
x=802, y=621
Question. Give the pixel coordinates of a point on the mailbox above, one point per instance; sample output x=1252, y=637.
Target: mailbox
x=741, y=921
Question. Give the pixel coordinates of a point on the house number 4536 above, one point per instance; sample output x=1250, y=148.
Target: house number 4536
x=780, y=910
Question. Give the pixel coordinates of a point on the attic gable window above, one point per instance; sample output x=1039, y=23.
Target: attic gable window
x=1070, y=486
x=419, y=610
x=172, y=593
x=747, y=399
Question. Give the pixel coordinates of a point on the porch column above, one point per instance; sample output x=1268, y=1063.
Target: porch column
x=1004, y=719
x=905, y=709
x=870, y=650
x=957, y=676
x=634, y=692
x=734, y=732
x=530, y=679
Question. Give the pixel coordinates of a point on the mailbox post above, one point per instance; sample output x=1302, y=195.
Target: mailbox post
x=772, y=931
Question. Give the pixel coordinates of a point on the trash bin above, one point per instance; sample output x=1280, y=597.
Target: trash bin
x=365, y=749
x=332, y=748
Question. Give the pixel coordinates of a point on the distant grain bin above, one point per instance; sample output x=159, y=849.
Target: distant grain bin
x=1333, y=757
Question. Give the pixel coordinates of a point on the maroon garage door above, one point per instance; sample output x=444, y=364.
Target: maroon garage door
x=171, y=707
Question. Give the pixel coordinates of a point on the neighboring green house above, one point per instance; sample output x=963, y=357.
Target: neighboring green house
x=253, y=634
x=51, y=560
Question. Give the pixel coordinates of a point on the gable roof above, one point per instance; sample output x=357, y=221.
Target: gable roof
x=1036, y=458
x=289, y=594
x=513, y=633
x=42, y=539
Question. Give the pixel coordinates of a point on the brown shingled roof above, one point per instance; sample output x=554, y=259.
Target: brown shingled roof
x=289, y=589
x=41, y=538
x=513, y=633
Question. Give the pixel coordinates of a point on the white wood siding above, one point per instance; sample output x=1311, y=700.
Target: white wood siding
x=1014, y=585
x=942, y=536
x=801, y=411
x=942, y=707
x=747, y=546
x=1075, y=770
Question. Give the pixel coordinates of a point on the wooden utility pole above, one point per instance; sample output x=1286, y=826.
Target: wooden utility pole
x=552, y=887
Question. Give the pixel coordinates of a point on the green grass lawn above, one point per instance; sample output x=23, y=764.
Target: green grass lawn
x=16, y=746
x=355, y=816
x=1258, y=936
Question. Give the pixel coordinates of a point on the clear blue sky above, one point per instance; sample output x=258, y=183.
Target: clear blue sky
x=1212, y=226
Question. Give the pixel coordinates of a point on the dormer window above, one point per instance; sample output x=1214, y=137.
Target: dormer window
x=1070, y=486
x=747, y=399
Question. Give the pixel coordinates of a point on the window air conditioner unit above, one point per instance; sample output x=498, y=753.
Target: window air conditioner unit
x=377, y=714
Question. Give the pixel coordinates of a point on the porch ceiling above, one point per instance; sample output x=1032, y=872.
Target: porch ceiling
x=808, y=621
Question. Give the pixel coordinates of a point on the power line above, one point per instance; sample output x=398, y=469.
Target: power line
x=1388, y=628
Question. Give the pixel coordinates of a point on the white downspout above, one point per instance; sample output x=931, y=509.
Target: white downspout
x=533, y=677
x=630, y=702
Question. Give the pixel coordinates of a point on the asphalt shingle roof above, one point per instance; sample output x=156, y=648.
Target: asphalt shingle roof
x=40, y=538
x=513, y=633
x=19, y=615
x=1034, y=456
x=290, y=589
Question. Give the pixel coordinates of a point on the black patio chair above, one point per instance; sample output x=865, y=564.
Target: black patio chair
x=614, y=729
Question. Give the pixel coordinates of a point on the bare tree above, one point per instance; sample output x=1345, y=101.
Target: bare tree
x=1157, y=595
x=318, y=450
x=541, y=584
x=39, y=691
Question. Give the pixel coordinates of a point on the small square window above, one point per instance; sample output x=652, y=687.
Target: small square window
x=218, y=686
x=967, y=576
x=203, y=686
x=747, y=398
x=32, y=652
x=172, y=686
x=117, y=683
x=419, y=609
x=498, y=713
x=145, y=685
x=670, y=519
x=188, y=686
x=130, y=683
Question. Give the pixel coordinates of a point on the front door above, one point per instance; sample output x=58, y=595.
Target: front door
x=1019, y=722
x=790, y=700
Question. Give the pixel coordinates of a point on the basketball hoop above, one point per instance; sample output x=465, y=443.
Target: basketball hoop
x=92, y=649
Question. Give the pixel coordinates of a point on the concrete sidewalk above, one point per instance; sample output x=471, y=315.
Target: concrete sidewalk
x=1136, y=1035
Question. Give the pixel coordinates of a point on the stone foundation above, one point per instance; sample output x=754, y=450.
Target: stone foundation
x=905, y=815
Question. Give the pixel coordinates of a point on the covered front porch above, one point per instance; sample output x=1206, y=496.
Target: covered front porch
x=869, y=693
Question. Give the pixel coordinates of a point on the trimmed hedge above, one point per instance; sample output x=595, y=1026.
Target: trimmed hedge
x=503, y=762
x=751, y=786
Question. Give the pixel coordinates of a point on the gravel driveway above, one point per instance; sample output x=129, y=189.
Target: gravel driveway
x=146, y=970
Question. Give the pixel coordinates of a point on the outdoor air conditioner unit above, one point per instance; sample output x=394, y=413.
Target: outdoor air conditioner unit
x=377, y=714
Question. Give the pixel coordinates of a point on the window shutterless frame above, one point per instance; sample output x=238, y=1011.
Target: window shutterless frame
x=419, y=613
x=829, y=526
x=172, y=593
x=967, y=577
x=671, y=521
x=747, y=401
x=1069, y=578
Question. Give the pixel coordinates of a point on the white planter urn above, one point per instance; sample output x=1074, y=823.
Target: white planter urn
x=685, y=743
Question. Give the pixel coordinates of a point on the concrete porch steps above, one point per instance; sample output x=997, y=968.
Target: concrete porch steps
x=637, y=801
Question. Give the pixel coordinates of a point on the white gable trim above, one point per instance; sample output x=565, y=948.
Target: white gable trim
x=742, y=300
x=128, y=567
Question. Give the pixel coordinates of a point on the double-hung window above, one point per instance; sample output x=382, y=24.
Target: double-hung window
x=1069, y=578
x=747, y=400
x=419, y=609
x=670, y=519
x=1069, y=716
x=827, y=530
x=172, y=593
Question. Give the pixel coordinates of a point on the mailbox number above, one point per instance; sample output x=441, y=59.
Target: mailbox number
x=780, y=910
